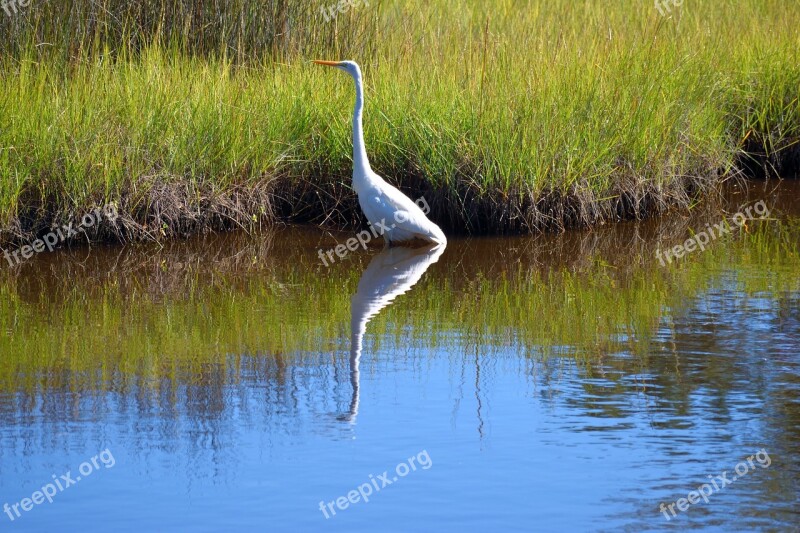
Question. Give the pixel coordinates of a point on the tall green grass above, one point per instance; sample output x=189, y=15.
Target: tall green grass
x=510, y=116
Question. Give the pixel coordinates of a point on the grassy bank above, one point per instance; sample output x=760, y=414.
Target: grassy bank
x=507, y=117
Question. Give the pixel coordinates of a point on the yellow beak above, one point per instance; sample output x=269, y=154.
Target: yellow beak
x=327, y=63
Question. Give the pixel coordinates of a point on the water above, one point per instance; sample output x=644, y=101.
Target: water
x=538, y=383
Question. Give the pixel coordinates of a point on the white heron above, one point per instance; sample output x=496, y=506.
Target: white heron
x=388, y=210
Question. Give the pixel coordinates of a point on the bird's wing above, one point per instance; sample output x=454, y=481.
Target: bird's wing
x=398, y=209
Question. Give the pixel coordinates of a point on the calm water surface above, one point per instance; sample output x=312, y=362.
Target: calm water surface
x=566, y=382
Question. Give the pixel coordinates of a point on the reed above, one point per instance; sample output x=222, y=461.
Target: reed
x=509, y=117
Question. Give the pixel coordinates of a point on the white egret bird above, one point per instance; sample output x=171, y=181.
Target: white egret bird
x=389, y=211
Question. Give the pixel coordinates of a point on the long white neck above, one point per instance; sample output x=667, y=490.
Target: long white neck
x=360, y=161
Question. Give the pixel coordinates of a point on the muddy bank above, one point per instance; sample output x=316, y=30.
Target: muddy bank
x=182, y=209
x=762, y=160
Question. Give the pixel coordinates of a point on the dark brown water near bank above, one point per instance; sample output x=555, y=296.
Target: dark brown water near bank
x=240, y=251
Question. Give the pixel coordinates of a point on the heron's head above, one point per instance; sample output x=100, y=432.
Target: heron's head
x=351, y=67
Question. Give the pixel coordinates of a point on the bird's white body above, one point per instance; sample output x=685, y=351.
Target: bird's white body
x=393, y=213
x=389, y=211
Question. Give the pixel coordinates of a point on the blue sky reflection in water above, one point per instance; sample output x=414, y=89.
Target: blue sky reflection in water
x=552, y=382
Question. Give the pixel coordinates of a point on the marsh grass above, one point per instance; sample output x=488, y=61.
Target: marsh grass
x=509, y=117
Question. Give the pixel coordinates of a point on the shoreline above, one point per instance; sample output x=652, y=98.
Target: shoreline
x=173, y=215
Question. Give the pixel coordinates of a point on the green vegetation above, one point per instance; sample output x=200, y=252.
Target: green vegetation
x=508, y=116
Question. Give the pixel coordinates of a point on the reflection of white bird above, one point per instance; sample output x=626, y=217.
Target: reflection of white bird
x=390, y=211
x=389, y=274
